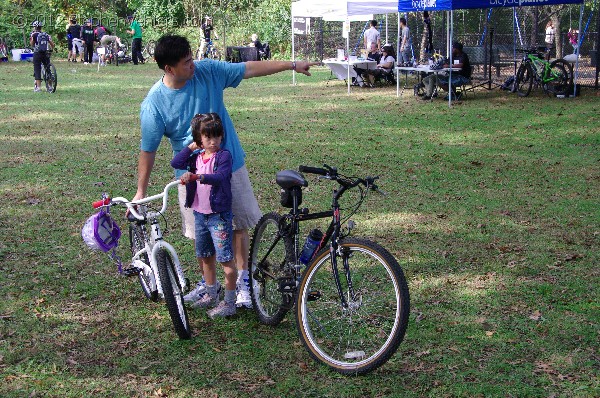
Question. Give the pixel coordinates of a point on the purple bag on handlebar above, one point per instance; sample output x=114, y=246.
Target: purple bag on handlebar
x=101, y=232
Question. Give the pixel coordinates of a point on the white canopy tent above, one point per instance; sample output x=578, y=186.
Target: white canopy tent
x=340, y=10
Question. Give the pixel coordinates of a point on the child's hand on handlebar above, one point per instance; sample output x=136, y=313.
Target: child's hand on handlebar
x=187, y=177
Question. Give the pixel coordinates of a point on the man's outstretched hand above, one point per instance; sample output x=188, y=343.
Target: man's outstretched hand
x=304, y=67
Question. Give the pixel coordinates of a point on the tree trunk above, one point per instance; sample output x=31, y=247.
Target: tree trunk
x=533, y=14
x=557, y=35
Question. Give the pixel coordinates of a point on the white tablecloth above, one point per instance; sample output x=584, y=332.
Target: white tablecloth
x=340, y=68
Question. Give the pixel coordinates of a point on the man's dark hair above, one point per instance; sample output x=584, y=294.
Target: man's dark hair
x=373, y=23
x=403, y=21
x=458, y=46
x=170, y=49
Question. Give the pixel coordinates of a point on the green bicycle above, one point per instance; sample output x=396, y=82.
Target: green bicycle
x=553, y=77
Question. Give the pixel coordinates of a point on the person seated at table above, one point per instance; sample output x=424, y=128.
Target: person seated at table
x=374, y=54
x=254, y=41
x=261, y=48
x=384, y=66
x=459, y=78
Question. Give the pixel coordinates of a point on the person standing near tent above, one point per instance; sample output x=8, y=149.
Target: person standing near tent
x=372, y=36
x=550, y=33
x=136, y=45
x=405, y=43
x=89, y=37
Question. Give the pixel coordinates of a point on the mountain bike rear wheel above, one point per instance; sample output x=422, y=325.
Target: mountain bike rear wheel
x=524, y=80
x=137, y=242
x=560, y=81
x=49, y=77
x=362, y=336
x=270, y=272
x=173, y=294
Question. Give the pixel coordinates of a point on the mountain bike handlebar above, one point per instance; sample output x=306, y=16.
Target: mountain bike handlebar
x=332, y=174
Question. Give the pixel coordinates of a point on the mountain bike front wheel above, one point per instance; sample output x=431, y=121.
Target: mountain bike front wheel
x=137, y=242
x=524, y=80
x=270, y=273
x=173, y=294
x=361, y=336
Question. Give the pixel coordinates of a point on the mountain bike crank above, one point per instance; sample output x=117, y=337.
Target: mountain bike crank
x=133, y=271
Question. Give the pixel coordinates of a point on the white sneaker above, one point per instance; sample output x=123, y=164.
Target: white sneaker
x=222, y=310
x=197, y=293
x=200, y=291
x=243, y=294
x=206, y=302
x=36, y=89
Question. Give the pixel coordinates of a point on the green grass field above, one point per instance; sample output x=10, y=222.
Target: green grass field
x=492, y=211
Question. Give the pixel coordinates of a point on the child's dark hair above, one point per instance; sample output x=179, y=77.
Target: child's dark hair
x=208, y=125
x=170, y=49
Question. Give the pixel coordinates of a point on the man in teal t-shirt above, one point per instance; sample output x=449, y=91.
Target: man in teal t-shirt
x=136, y=46
x=187, y=88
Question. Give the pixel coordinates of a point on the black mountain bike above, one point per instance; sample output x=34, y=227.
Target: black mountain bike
x=49, y=74
x=351, y=301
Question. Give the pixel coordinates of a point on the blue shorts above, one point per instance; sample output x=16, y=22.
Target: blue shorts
x=214, y=234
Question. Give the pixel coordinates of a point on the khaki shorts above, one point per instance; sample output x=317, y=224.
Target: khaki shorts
x=246, y=212
x=106, y=39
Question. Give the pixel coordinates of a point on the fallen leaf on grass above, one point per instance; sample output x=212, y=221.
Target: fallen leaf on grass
x=489, y=333
x=536, y=316
x=573, y=256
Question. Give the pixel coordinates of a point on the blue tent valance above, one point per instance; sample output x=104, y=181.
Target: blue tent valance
x=440, y=5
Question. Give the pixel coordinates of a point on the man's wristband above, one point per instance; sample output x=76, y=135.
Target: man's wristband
x=294, y=66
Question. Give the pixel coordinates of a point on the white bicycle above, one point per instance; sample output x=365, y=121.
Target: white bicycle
x=154, y=260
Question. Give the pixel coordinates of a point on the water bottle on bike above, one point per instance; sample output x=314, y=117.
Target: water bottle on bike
x=312, y=242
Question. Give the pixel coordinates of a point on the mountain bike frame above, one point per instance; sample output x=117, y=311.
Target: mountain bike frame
x=540, y=67
x=332, y=234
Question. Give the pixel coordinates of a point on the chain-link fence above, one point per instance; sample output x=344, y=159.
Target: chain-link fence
x=492, y=37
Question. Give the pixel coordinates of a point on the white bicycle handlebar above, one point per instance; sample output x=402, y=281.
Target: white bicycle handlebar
x=131, y=204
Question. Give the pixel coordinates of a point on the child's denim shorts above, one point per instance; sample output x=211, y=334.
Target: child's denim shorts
x=214, y=233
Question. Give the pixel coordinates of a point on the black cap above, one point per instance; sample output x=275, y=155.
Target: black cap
x=457, y=45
